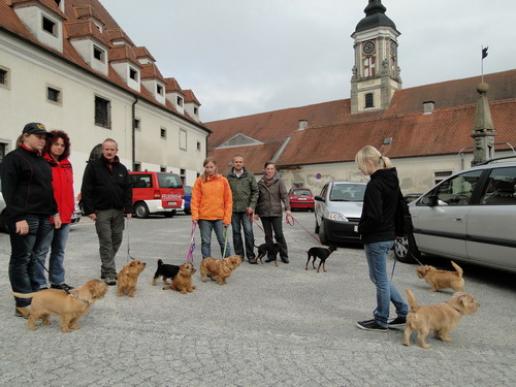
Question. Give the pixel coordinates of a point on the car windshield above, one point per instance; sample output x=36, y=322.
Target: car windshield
x=301, y=192
x=169, y=180
x=347, y=192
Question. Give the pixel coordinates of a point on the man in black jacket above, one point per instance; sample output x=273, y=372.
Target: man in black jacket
x=27, y=191
x=107, y=195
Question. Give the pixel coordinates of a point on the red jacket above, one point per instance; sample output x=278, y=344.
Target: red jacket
x=62, y=184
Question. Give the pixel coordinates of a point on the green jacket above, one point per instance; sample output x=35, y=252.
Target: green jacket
x=244, y=190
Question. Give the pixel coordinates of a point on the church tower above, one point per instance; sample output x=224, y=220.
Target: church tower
x=376, y=74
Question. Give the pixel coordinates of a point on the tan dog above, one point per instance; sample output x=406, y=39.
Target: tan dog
x=128, y=277
x=182, y=282
x=233, y=261
x=438, y=318
x=216, y=269
x=70, y=307
x=442, y=279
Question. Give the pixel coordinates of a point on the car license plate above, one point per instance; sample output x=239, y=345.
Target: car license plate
x=302, y=199
x=355, y=229
x=172, y=203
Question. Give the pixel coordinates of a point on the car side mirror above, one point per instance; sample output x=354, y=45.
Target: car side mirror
x=431, y=200
x=318, y=198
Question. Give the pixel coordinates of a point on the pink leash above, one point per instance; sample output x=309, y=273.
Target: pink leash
x=191, y=247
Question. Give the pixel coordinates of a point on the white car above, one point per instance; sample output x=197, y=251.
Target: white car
x=470, y=216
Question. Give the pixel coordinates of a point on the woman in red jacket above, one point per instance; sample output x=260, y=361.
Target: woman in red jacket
x=57, y=151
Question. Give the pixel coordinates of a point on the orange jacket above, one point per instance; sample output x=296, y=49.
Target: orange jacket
x=211, y=199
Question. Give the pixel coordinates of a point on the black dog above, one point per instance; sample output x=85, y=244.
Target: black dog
x=271, y=249
x=165, y=271
x=319, y=252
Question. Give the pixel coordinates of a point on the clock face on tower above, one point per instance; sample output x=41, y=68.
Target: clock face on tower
x=368, y=47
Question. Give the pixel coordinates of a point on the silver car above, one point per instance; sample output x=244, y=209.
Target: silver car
x=337, y=211
x=471, y=216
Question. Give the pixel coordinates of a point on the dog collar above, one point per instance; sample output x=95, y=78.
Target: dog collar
x=81, y=300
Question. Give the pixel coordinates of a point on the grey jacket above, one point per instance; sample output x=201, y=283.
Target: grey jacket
x=244, y=190
x=270, y=198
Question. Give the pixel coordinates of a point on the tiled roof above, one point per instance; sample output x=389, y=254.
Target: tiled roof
x=123, y=53
x=151, y=71
x=118, y=34
x=254, y=156
x=79, y=24
x=334, y=135
x=190, y=97
x=48, y=4
x=172, y=86
x=142, y=52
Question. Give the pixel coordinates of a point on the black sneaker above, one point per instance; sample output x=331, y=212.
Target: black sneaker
x=371, y=325
x=284, y=260
x=110, y=281
x=252, y=261
x=22, y=311
x=64, y=287
x=397, y=322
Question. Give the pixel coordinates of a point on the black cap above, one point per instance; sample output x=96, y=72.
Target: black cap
x=35, y=128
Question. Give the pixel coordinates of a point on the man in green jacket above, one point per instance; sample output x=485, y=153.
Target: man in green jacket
x=245, y=194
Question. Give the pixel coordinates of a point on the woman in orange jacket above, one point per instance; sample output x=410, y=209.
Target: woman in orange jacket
x=211, y=207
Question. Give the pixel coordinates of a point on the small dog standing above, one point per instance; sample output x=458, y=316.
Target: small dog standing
x=216, y=269
x=270, y=249
x=319, y=252
x=165, y=271
x=128, y=277
x=439, y=318
x=442, y=279
x=69, y=306
x=182, y=282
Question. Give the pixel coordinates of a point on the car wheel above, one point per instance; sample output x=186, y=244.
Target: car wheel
x=316, y=226
x=322, y=234
x=188, y=211
x=141, y=210
x=405, y=249
x=169, y=214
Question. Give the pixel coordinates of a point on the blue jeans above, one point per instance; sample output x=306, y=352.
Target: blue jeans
x=238, y=219
x=205, y=226
x=23, y=255
x=55, y=266
x=385, y=292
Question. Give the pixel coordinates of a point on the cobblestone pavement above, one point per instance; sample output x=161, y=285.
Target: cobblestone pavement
x=268, y=326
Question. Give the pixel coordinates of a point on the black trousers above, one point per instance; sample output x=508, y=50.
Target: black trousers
x=271, y=223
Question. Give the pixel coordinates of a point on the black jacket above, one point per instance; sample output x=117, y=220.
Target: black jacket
x=104, y=188
x=27, y=185
x=381, y=200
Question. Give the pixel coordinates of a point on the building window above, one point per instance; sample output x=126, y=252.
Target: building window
x=196, y=110
x=133, y=74
x=159, y=89
x=369, y=66
x=302, y=124
x=441, y=175
x=162, y=169
x=102, y=112
x=54, y=95
x=4, y=77
x=137, y=167
x=199, y=146
x=179, y=101
x=182, y=139
x=49, y=26
x=163, y=133
x=428, y=107
x=182, y=174
x=137, y=124
x=99, y=54
x=369, y=100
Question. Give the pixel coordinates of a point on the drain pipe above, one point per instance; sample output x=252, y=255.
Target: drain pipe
x=133, y=134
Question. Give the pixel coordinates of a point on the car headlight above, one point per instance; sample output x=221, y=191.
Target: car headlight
x=337, y=217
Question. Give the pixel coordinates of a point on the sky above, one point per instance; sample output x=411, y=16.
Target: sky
x=242, y=57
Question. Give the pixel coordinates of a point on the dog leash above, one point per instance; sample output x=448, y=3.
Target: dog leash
x=294, y=221
x=225, y=241
x=129, y=257
x=191, y=247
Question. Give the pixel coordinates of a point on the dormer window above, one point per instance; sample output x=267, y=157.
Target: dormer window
x=302, y=124
x=98, y=25
x=196, y=110
x=58, y=2
x=179, y=101
x=49, y=26
x=159, y=89
x=133, y=74
x=99, y=54
x=428, y=107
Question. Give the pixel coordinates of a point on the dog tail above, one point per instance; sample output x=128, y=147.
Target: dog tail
x=458, y=269
x=412, y=301
x=23, y=295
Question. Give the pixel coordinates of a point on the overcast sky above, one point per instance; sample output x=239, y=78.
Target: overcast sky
x=249, y=56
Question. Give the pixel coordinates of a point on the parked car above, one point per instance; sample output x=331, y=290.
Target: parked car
x=187, y=198
x=301, y=199
x=410, y=197
x=3, y=220
x=337, y=211
x=156, y=193
x=470, y=216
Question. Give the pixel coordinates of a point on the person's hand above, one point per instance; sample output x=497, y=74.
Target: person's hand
x=256, y=217
x=22, y=227
x=129, y=215
x=93, y=216
x=194, y=221
x=57, y=221
x=249, y=211
x=226, y=225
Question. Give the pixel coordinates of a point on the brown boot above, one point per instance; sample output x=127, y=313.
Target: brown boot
x=22, y=312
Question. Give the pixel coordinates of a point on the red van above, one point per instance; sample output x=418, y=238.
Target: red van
x=156, y=193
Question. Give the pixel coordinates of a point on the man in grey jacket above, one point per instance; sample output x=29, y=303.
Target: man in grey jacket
x=245, y=193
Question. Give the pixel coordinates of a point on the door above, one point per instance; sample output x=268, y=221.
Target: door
x=142, y=187
x=491, y=225
x=440, y=216
x=321, y=205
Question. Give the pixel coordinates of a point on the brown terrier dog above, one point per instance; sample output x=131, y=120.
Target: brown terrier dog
x=182, y=282
x=438, y=318
x=233, y=261
x=216, y=269
x=69, y=306
x=128, y=276
x=442, y=279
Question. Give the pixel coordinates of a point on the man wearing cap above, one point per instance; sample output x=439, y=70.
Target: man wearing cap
x=106, y=196
x=27, y=190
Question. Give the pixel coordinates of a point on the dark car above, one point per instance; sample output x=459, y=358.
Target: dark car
x=301, y=199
